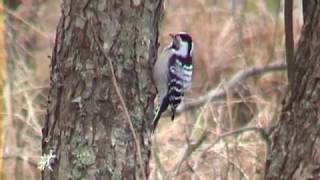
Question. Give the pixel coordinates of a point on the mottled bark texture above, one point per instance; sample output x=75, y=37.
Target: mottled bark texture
x=86, y=125
x=296, y=138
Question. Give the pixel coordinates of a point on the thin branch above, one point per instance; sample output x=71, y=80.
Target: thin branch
x=191, y=147
x=288, y=5
x=261, y=131
x=20, y=158
x=116, y=86
x=218, y=94
x=237, y=166
x=234, y=132
x=155, y=150
x=235, y=81
x=21, y=19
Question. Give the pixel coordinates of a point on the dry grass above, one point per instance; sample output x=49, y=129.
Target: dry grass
x=28, y=44
x=227, y=40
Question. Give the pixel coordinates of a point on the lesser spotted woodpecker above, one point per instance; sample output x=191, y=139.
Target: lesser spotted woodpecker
x=173, y=74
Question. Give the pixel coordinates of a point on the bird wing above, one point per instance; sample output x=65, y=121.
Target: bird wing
x=175, y=81
x=160, y=73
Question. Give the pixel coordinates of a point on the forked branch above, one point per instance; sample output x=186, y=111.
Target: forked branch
x=220, y=93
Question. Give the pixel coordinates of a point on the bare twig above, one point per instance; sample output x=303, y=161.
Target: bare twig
x=33, y=27
x=191, y=147
x=155, y=150
x=230, y=133
x=235, y=81
x=116, y=86
x=288, y=5
x=20, y=158
x=237, y=166
x=261, y=132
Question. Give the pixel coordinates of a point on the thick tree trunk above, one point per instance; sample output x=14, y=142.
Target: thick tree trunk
x=86, y=125
x=296, y=139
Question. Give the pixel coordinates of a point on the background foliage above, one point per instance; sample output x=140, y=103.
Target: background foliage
x=229, y=36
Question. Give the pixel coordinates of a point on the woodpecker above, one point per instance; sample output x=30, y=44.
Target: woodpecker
x=173, y=74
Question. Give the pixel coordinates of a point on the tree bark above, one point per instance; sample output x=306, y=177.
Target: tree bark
x=86, y=125
x=295, y=140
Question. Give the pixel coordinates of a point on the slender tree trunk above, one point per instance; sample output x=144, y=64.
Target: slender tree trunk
x=86, y=125
x=296, y=139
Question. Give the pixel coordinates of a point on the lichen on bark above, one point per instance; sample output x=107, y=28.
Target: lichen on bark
x=86, y=125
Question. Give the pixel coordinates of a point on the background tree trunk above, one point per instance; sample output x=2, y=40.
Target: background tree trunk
x=295, y=140
x=86, y=126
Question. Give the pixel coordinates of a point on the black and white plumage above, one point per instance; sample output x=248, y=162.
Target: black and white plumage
x=173, y=74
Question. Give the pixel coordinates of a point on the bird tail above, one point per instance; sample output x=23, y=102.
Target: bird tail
x=163, y=106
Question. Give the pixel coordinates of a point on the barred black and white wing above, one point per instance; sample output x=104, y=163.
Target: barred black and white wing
x=160, y=76
x=179, y=80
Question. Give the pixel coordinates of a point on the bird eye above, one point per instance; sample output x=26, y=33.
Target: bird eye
x=175, y=42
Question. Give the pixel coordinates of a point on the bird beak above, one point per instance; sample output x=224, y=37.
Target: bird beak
x=174, y=40
x=172, y=35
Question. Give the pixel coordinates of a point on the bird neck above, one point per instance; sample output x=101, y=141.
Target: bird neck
x=184, y=60
x=185, y=50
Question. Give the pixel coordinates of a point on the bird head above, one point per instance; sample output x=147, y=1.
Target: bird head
x=182, y=44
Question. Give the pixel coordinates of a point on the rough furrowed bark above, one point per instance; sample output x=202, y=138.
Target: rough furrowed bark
x=295, y=140
x=86, y=126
